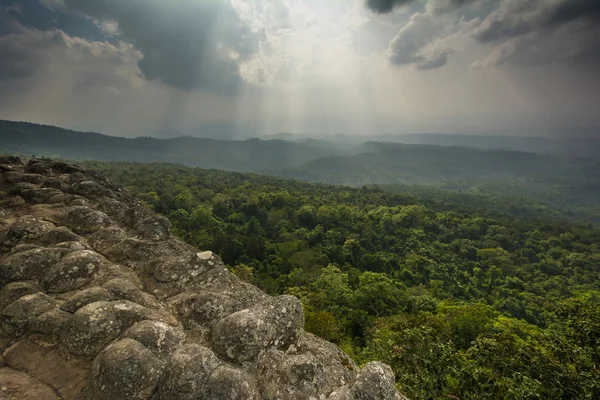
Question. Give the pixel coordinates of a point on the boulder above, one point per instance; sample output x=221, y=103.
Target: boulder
x=374, y=382
x=73, y=271
x=91, y=329
x=124, y=289
x=158, y=337
x=59, y=235
x=226, y=383
x=85, y=297
x=125, y=370
x=84, y=220
x=276, y=322
x=29, y=265
x=49, y=323
x=39, y=195
x=28, y=307
x=129, y=313
x=15, y=290
x=25, y=229
x=186, y=373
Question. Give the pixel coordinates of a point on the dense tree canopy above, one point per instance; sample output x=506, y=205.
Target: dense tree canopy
x=461, y=302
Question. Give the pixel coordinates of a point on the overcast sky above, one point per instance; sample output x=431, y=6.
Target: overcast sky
x=251, y=67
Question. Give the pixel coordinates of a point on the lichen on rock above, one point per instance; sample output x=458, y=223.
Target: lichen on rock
x=98, y=301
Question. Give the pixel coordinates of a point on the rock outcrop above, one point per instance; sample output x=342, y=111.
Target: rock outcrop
x=98, y=301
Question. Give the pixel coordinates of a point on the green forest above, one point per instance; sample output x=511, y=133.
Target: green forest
x=463, y=300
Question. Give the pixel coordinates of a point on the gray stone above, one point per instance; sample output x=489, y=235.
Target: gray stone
x=129, y=313
x=186, y=373
x=28, y=307
x=276, y=322
x=202, y=310
x=90, y=329
x=59, y=235
x=29, y=265
x=90, y=189
x=155, y=228
x=226, y=383
x=125, y=370
x=15, y=290
x=158, y=337
x=49, y=323
x=374, y=382
x=73, y=271
x=39, y=195
x=124, y=289
x=85, y=297
x=26, y=229
x=112, y=207
x=83, y=219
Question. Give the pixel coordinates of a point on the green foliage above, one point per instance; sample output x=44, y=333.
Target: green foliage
x=462, y=303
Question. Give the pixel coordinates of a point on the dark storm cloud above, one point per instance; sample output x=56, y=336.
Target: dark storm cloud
x=186, y=44
x=542, y=31
x=531, y=32
x=385, y=6
x=516, y=17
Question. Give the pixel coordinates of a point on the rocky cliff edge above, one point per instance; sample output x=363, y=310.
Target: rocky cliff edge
x=98, y=301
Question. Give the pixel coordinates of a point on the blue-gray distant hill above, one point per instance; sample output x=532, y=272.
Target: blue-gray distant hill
x=252, y=155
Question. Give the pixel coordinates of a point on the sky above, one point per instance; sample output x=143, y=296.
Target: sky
x=239, y=68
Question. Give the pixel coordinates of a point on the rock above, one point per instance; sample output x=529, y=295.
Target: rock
x=73, y=271
x=89, y=189
x=155, y=228
x=124, y=289
x=104, y=238
x=226, y=383
x=15, y=290
x=47, y=167
x=91, y=328
x=83, y=219
x=125, y=370
x=112, y=207
x=158, y=337
x=29, y=265
x=275, y=322
x=202, y=310
x=39, y=195
x=59, y=235
x=18, y=385
x=135, y=252
x=49, y=323
x=10, y=160
x=55, y=183
x=129, y=313
x=48, y=363
x=374, y=382
x=26, y=229
x=85, y=297
x=173, y=268
x=299, y=376
x=28, y=307
x=186, y=373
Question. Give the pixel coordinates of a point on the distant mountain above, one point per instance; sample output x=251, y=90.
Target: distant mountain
x=252, y=155
x=562, y=181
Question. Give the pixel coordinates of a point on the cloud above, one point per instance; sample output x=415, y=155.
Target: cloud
x=185, y=44
x=541, y=32
x=436, y=6
x=385, y=6
x=409, y=45
x=532, y=32
x=29, y=53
